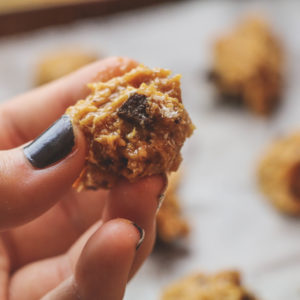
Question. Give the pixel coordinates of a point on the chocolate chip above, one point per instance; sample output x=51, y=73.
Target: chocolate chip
x=247, y=297
x=212, y=75
x=134, y=110
x=233, y=100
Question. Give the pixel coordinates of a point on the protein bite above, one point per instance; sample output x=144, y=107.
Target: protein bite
x=135, y=126
x=248, y=67
x=222, y=286
x=171, y=225
x=59, y=63
x=279, y=174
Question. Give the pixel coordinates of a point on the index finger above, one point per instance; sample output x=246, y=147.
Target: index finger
x=26, y=116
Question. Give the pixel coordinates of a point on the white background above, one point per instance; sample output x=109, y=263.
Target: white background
x=233, y=226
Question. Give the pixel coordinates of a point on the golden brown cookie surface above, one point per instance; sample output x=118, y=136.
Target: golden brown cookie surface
x=222, y=286
x=135, y=126
x=279, y=174
x=248, y=66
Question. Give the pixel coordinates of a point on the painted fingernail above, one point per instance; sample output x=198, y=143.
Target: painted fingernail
x=52, y=145
x=142, y=234
x=162, y=194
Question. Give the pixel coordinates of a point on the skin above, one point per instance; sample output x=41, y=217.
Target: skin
x=56, y=243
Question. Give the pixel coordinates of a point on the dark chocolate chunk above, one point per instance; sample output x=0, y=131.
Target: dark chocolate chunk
x=247, y=297
x=134, y=110
x=212, y=76
x=233, y=100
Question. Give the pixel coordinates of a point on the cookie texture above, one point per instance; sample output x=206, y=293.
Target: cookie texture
x=279, y=174
x=248, y=67
x=135, y=126
x=222, y=286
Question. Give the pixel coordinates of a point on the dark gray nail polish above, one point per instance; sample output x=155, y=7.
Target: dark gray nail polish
x=52, y=145
x=142, y=234
x=160, y=201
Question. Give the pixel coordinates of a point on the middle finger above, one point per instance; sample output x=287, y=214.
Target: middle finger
x=55, y=231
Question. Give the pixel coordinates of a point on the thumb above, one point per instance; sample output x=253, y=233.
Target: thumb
x=34, y=177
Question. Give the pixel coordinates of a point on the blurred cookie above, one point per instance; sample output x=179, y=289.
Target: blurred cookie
x=170, y=223
x=222, y=286
x=60, y=63
x=247, y=67
x=279, y=174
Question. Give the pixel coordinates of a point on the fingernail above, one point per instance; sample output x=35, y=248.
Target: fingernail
x=52, y=145
x=162, y=194
x=142, y=234
x=160, y=202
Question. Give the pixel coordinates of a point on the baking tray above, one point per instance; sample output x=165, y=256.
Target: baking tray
x=20, y=16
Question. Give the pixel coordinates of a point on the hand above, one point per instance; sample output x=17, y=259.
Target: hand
x=67, y=245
